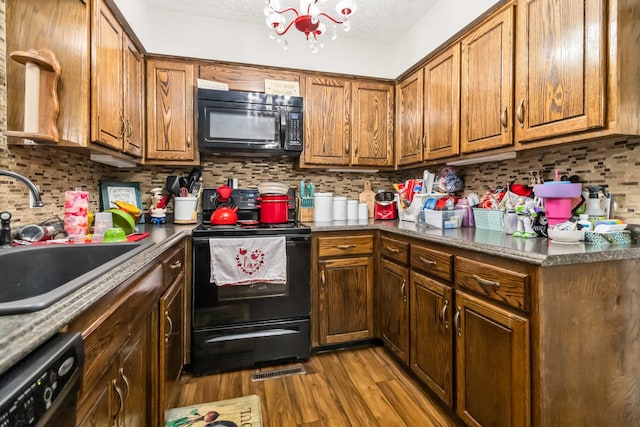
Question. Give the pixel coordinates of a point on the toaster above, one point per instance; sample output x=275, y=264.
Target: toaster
x=385, y=206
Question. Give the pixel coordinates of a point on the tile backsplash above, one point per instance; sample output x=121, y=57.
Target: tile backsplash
x=55, y=171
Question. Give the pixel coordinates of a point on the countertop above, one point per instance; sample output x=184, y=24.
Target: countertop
x=538, y=251
x=21, y=334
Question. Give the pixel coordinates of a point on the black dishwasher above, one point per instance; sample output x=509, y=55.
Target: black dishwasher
x=42, y=389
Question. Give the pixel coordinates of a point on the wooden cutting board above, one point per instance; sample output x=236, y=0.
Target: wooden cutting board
x=368, y=197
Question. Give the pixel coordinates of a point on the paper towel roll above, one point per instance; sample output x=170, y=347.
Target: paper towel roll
x=76, y=209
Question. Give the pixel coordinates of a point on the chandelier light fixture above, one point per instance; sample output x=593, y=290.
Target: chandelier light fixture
x=306, y=19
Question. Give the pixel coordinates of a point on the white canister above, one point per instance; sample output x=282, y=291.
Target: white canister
x=363, y=211
x=340, y=208
x=352, y=209
x=323, y=207
x=185, y=210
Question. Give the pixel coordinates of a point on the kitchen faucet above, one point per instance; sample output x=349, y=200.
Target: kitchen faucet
x=5, y=229
x=37, y=201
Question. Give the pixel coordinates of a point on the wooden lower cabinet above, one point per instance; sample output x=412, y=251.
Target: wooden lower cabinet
x=134, y=346
x=393, y=313
x=492, y=364
x=342, y=288
x=171, y=343
x=431, y=334
x=346, y=299
x=124, y=393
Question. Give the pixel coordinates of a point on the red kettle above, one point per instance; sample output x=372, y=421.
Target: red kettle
x=224, y=216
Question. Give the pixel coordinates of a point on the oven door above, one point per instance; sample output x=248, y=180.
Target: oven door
x=215, y=306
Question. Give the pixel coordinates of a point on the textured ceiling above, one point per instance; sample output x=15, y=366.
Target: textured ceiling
x=380, y=20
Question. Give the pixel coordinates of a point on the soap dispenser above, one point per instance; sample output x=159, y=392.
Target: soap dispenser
x=5, y=229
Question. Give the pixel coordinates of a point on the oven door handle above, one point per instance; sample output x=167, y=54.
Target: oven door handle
x=257, y=334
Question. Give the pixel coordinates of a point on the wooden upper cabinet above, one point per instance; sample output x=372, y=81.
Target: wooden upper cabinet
x=133, y=99
x=327, y=108
x=117, y=86
x=409, y=118
x=107, y=115
x=171, y=132
x=372, y=137
x=487, y=84
x=442, y=104
x=561, y=51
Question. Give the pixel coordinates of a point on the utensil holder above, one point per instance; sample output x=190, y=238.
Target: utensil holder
x=305, y=214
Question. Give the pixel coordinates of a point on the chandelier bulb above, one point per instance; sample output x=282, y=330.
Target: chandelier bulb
x=346, y=26
x=334, y=34
x=272, y=35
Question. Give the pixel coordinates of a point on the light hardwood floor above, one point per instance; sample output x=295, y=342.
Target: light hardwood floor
x=353, y=387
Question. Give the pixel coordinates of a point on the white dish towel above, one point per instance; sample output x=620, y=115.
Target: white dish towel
x=249, y=260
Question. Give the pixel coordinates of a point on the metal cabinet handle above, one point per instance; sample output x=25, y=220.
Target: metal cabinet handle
x=427, y=261
x=126, y=382
x=345, y=247
x=322, y=278
x=485, y=282
x=520, y=112
x=503, y=118
x=120, y=399
x=456, y=321
x=176, y=264
x=347, y=148
x=444, y=314
x=129, y=129
x=392, y=250
x=402, y=291
x=189, y=140
x=168, y=334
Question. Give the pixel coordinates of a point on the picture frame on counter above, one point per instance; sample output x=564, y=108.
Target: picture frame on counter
x=129, y=192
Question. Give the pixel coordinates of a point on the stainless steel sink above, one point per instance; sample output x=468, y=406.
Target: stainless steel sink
x=34, y=277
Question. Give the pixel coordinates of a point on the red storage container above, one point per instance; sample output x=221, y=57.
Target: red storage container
x=274, y=208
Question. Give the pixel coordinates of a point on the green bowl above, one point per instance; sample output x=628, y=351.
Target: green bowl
x=115, y=234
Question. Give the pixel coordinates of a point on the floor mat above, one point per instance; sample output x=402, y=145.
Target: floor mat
x=240, y=412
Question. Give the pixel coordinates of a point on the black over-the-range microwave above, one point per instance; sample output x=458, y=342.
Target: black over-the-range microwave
x=249, y=124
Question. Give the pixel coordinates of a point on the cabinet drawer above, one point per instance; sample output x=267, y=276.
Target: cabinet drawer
x=432, y=262
x=173, y=265
x=394, y=249
x=505, y=286
x=345, y=245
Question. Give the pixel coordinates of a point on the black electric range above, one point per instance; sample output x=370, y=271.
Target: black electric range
x=243, y=326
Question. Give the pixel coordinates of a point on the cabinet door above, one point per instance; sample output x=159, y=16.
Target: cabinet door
x=327, y=104
x=442, y=104
x=134, y=378
x=409, y=117
x=492, y=363
x=431, y=335
x=487, y=85
x=346, y=300
x=372, y=124
x=101, y=412
x=393, y=310
x=107, y=120
x=560, y=67
x=133, y=99
x=171, y=315
x=170, y=117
